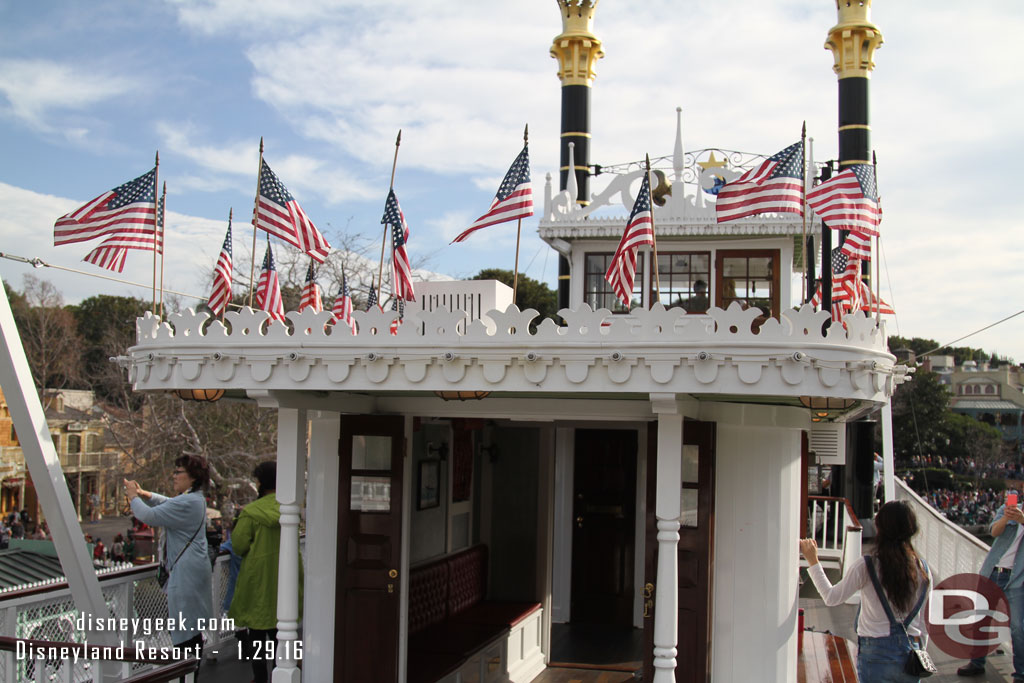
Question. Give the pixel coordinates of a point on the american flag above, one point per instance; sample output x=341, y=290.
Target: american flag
x=401, y=271
x=399, y=306
x=514, y=199
x=845, y=279
x=371, y=299
x=342, y=309
x=279, y=214
x=112, y=252
x=639, y=231
x=776, y=186
x=857, y=246
x=867, y=301
x=311, y=292
x=220, y=295
x=849, y=201
x=268, y=288
x=127, y=207
x=111, y=258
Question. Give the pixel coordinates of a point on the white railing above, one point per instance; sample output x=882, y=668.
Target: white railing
x=947, y=548
x=47, y=612
x=835, y=527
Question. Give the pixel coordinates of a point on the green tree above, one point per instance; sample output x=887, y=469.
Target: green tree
x=106, y=325
x=921, y=346
x=919, y=410
x=972, y=439
x=530, y=293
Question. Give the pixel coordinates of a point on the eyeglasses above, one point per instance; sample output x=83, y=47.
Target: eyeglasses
x=179, y=472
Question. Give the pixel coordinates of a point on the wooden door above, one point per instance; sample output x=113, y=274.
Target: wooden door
x=604, y=514
x=366, y=628
x=695, y=553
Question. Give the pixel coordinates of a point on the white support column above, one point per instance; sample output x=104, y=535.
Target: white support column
x=43, y=464
x=666, y=509
x=888, y=463
x=291, y=470
x=321, y=546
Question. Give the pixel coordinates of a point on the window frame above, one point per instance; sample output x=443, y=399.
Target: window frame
x=638, y=283
x=774, y=264
x=652, y=298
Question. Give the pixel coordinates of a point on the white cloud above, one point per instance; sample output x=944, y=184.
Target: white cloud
x=37, y=88
x=239, y=159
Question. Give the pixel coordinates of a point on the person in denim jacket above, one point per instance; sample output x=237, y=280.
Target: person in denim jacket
x=1005, y=566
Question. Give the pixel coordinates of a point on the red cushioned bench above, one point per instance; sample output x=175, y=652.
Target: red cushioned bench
x=453, y=627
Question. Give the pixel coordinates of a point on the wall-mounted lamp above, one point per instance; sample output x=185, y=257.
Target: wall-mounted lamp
x=462, y=395
x=207, y=395
x=440, y=449
x=826, y=403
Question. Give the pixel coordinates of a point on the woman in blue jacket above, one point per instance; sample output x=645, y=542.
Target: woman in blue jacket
x=183, y=519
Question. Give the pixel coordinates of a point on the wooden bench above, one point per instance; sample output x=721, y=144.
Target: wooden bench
x=825, y=658
x=456, y=634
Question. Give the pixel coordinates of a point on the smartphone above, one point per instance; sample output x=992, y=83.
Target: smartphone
x=1011, y=499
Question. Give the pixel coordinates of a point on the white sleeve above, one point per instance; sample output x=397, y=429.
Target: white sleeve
x=855, y=579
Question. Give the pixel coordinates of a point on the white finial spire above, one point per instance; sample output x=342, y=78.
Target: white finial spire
x=677, y=155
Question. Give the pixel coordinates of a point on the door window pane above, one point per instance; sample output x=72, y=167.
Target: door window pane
x=690, y=462
x=688, y=508
x=371, y=452
x=371, y=494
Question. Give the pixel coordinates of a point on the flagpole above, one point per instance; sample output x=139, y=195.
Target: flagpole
x=654, y=239
x=255, y=211
x=384, y=237
x=156, y=220
x=519, y=227
x=877, y=249
x=803, y=234
x=163, y=243
x=231, y=214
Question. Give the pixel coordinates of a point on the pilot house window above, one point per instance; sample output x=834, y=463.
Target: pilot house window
x=685, y=279
x=748, y=277
x=598, y=292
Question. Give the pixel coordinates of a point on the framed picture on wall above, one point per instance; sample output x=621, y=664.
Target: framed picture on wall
x=428, y=495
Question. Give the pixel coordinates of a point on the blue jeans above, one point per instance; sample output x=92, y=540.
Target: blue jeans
x=881, y=660
x=1014, y=596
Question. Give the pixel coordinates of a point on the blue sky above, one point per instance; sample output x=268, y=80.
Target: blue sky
x=88, y=93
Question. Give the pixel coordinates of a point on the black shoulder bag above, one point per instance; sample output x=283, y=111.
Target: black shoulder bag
x=163, y=574
x=919, y=662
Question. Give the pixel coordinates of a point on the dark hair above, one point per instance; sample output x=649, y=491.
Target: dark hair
x=196, y=468
x=266, y=476
x=896, y=524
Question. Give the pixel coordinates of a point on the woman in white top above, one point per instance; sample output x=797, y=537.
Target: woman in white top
x=883, y=644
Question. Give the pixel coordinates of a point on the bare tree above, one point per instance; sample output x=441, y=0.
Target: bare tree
x=50, y=336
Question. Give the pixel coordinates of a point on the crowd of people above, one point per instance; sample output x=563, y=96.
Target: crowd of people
x=966, y=508
x=18, y=525
x=986, y=470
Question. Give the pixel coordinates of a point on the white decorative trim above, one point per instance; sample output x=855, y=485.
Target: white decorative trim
x=649, y=351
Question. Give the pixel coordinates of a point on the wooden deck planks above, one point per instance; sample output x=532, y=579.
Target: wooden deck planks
x=825, y=659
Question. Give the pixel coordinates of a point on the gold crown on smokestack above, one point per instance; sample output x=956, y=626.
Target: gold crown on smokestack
x=854, y=39
x=577, y=49
x=578, y=10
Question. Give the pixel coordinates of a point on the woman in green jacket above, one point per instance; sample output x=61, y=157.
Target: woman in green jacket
x=257, y=539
